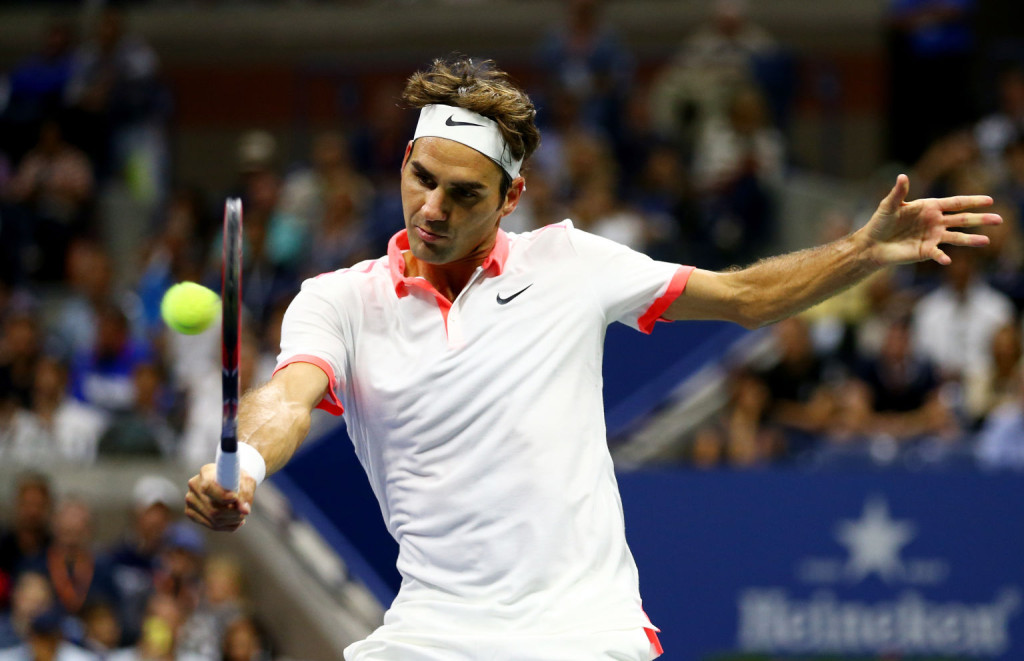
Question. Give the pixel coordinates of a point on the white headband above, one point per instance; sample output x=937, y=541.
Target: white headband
x=471, y=129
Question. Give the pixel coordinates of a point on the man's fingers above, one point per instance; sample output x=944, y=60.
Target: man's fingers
x=961, y=202
x=214, y=517
x=209, y=504
x=206, y=483
x=940, y=257
x=199, y=517
x=897, y=195
x=964, y=239
x=971, y=219
x=246, y=492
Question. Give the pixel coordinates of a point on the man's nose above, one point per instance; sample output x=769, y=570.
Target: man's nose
x=435, y=205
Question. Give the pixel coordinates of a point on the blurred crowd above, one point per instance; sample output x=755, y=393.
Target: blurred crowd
x=155, y=593
x=684, y=159
x=94, y=228
x=917, y=366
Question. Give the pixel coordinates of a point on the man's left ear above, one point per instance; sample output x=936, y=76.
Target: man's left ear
x=515, y=192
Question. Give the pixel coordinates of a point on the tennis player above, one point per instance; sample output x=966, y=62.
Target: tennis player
x=467, y=364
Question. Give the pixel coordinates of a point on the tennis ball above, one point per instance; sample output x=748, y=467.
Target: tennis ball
x=189, y=308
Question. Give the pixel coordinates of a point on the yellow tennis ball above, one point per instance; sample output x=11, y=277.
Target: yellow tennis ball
x=189, y=308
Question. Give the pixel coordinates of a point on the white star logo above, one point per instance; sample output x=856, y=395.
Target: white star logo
x=874, y=542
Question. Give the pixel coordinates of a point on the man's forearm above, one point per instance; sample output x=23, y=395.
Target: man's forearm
x=779, y=287
x=272, y=425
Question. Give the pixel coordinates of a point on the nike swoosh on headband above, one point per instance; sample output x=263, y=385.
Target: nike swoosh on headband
x=452, y=122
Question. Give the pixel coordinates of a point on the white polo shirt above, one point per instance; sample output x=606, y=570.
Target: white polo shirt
x=480, y=425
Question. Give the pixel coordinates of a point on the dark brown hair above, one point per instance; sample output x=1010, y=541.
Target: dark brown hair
x=482, y=88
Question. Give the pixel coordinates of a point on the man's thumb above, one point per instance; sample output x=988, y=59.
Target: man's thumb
x=894, y=199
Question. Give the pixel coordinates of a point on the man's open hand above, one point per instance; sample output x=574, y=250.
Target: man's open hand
x=901, y=232
x=211, y=505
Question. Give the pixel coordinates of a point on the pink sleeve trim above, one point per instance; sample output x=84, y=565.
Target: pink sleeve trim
x=330, y=402
x=675, y=288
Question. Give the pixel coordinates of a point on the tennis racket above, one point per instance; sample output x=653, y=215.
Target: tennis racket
x=231, y=328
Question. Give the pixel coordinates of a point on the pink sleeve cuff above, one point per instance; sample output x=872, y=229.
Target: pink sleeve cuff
x=330, y=402
x=675, y=288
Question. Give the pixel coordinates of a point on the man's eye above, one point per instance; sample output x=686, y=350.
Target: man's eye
x=425, y=180
x=466, y=195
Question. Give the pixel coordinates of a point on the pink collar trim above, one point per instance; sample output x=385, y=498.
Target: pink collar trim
x=396, y=262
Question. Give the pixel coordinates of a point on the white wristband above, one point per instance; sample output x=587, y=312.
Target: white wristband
x=251, y=461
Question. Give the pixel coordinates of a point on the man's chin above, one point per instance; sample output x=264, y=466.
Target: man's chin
x=427, y=253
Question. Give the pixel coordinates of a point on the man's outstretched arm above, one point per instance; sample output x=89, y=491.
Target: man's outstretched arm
x=899, y=232
x=274, y=419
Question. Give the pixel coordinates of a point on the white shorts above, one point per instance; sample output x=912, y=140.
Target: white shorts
x=630, y=645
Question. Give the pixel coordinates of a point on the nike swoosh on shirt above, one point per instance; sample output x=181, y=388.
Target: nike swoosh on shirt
x=503, y=301
x=452, y=122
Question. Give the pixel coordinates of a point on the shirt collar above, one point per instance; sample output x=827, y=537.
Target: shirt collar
x=399, y=243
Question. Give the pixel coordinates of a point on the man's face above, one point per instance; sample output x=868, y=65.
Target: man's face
x=33, y=508
x=451, y=201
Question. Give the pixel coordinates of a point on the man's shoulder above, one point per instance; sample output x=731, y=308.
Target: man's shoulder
x=358, y=275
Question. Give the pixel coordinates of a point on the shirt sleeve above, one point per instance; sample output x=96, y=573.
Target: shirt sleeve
x=630, y=287
x=315, y=330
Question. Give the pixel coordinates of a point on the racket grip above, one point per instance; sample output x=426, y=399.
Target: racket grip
x=227, y=470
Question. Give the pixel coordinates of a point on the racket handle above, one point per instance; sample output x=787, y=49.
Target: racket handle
x=227, y=470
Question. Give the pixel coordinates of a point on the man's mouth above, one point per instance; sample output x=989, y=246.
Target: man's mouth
x=428, y=236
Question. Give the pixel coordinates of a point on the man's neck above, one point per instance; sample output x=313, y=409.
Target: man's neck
x=448, y=279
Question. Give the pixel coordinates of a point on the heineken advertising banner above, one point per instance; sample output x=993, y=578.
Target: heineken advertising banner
x=778, y=565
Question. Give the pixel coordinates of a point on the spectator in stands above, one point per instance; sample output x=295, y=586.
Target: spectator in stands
x=738, y=168
x=120, y=105
x=104, y=376
x=101, y=629
x=662, y=192
x=990, y=386
x=344, y=236
x=1000, y=443
x=1003, y=257
x=598, y=210
x=307, y=193
x=801, y=399
x=997, y=131
x=740, y=436
x=378, y=143
x=1008, y=274
x=543, y=207
x=584, y=58
x=67, y=428
x=143, y=430
x=31, y=597
x=90, y=289
x=276, y=242
x=897, y=395
x=160, y=630
x=54, y=187
x=181, y=561
x=47, y=642
x=37, y=86
x=16, y=438
x=953, y=325
x=20, y=350
x=716, y=60
x=887, y=300
x=78, y=572
x=24, y=544
x=945, y=160
x=136, y=559
x=930, y=42
x=221, y=602
x=246, y=639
